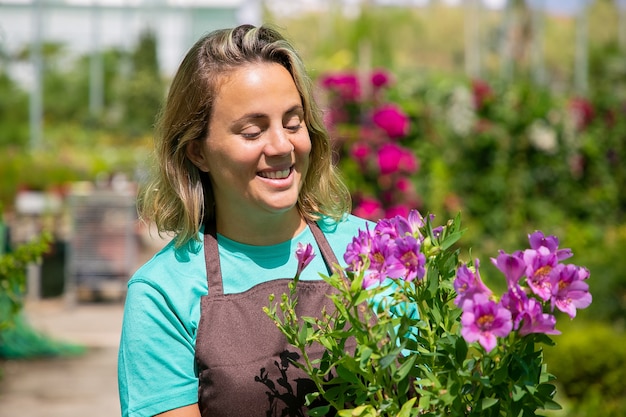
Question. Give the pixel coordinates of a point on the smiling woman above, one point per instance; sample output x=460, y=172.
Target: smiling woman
x=244, y=177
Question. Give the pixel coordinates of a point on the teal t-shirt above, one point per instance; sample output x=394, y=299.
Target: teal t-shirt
x=157, y=348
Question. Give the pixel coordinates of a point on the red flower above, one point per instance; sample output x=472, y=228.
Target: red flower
x=582, y=112
x=482, y=93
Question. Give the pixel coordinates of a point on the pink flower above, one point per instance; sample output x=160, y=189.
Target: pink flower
x=305, y=255
x=359, y=248
x=393, y=158
x=345, y=84
x=512, y=266
x=483, y=320
x=467, y=284
x=392, y=120
x=361, y=153
x=539, y=265
x=380, y=78
x=534, y=320
x=370, y=209
x=397, y=210
x=569, y=292
x=409, y=256
x=538, y=239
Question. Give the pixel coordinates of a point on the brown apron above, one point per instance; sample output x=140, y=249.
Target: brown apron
x=243, y=360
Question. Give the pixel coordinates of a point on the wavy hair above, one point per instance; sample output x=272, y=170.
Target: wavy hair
x=178, y=198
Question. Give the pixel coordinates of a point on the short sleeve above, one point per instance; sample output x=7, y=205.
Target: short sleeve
x=156, y=355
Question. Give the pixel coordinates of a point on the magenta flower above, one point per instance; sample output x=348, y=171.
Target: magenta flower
x=361, y=152
x=382, y=258
x=357, y=250
x=569, y=291
x=409, y=255
x=534, y=320
x=380, y=78
x=305, y=255
x=483, y=320
x=512, y=266
x=538, y=240
x=515, y=300
x=369, y=208
x=393, y=158
x=539, y=265
x=392, y=120
x=397, y=210
x=468, y=284
x=345, y=84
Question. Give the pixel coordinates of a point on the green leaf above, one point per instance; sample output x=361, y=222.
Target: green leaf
x=347, y=375
x=319, y=411
x=488, y=402
x=405, y=411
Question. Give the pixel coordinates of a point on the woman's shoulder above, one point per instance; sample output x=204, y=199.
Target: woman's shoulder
x=173, y=266
x=348, y=224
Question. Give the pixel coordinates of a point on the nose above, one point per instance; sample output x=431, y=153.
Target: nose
x=278, y=143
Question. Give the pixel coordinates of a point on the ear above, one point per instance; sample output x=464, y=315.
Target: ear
x=196, y=156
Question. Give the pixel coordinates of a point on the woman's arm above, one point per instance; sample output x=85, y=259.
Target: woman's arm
x=188, y=411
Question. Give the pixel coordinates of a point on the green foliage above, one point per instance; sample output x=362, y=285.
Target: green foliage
x=13, y=113
x=13, y=276
x=142, y=92
x=590, y=364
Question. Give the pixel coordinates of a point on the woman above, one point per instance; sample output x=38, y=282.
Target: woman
x=244, y=175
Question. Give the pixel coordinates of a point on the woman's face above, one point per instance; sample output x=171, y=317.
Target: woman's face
x=257, y=149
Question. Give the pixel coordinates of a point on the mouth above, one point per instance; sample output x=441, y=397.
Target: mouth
x=275, y=175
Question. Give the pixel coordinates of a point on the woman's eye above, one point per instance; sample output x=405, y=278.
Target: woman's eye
x=293, y=128
x=251, y=133
x=294, y=124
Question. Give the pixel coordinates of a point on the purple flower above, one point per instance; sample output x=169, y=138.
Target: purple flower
x=382, y=258
x=538, y=240
x=515, y=300
x=539, y=265
x=569, y=291
x=468, y=284
x=512, y=266
x=360, y=247
x=534, y=320
x=392, y=120
x=483, y=320
x=409, y=255
x=305, y=255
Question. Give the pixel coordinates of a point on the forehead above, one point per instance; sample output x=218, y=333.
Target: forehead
x=256, y=86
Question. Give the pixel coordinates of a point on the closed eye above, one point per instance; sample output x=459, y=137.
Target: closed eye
x=294, y=123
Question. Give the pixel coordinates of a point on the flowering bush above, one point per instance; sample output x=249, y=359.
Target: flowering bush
x=368, y=132
x=416, y=332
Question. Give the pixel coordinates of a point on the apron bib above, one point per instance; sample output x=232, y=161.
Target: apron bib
x=243, y=360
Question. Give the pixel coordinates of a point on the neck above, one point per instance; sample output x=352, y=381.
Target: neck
x=262, y=230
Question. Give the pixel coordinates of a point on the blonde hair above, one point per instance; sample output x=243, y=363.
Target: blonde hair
x=179, y=198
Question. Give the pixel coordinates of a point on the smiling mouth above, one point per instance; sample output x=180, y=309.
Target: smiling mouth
x=275, y=175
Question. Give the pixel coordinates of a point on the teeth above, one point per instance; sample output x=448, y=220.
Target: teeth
x=275, y=174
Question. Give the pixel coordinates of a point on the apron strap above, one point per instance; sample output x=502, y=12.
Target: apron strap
x=212, y=258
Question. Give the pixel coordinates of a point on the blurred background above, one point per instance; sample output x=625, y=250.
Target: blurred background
x=509, y=112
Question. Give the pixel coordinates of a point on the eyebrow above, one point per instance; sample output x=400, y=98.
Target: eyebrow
x=250, y=116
